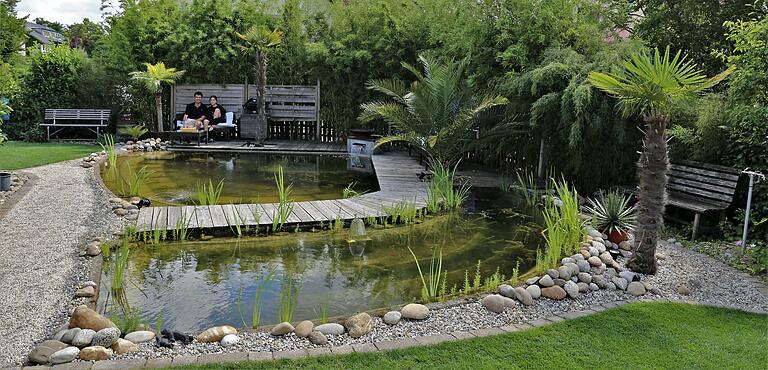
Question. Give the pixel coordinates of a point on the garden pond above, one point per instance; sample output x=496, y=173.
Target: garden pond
x=193, y=285
x=172, y=178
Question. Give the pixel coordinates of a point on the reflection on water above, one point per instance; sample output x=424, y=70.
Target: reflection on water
x=195, y=284
x=248, y=178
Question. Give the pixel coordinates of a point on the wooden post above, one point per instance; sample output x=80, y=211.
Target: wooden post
x=317, y=112
x=696, y=220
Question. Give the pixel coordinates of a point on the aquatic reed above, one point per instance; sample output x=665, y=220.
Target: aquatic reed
x=120, y=263
x=289, y=296
x=181, y=228
x=285, y=204
x=257, y=300
x=109, y=148
x=478, y=278
x=350, y=192
x=526, y=188
x=431, y=284
x=208, y=194
x=322, y=311
x=563, y=226
x=131, y=187
x=441, y=190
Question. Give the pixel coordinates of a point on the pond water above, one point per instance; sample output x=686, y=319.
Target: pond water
x=196, y=284
x=248, y=178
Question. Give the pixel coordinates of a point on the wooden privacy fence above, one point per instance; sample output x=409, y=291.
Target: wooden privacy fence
x=293, y=111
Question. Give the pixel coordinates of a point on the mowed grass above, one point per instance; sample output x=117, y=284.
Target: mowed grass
x=15, y=155
x=639, y=335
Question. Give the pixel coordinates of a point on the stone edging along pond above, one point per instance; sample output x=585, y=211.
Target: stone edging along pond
x=387, y=345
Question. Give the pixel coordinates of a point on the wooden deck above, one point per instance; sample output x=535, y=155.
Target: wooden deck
x=270, y=146
x=398, y=181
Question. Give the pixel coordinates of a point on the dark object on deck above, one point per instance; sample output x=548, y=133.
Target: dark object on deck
x=175, y=336
x=144, y=202
x=5, y=181
x=251, y=106
x=701, y=187
x=163, y=342
x=424, y=176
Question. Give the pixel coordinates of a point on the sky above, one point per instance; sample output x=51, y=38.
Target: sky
x=62, y=11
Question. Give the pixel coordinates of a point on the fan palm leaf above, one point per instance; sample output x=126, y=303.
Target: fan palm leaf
x=153, y=79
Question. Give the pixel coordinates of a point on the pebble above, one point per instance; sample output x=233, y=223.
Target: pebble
x=303, y=329
x=392, y=317
x=593, y=287
x=414, y=311
x=330, y=329
x=599, y=281
x=229, y=340
x=584, y=266
x=594, y=261
x=625, y=246
x=583, y=287
x=629, y=276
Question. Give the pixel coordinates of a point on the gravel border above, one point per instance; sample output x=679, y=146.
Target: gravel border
x=60, y=210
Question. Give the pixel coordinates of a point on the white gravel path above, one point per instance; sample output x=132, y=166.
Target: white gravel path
x=39, y=242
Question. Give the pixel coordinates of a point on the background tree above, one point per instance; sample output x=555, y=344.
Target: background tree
x=650, y=86
x=85, y=35
x=255, y=43
x=12, y=31
x=56, y=26
x=153, y=79
x=436, y=113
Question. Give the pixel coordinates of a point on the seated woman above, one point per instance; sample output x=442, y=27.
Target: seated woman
x=216, y=112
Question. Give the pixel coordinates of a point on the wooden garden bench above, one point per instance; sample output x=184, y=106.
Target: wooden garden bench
x=59, y=119
x=701, y=187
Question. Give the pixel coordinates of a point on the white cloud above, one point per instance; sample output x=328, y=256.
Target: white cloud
x=62, y=11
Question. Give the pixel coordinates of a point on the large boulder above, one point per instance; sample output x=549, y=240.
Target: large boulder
x=494, y=303
x=95, y=353
x=554, y=292
x=359, y=325
x=42, y=353
x=86, y=318
x=415, y=311
x=215, y=334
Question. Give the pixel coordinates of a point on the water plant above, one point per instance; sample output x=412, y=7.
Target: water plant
x=208, y=194
x=563, y=226
x=504, y=182
x=159, y=323
x=492, y=282
x=441, y=190
x=257, y=300
x=431, y=284
x=478, y=278
x=338, y=222
x=322, y=311
x=515, y=273
x=120, y=263
x=285, y=204
x=350, y=192
x=132, y=186
x=109, y=148
x=236, y=224
x=467, y=286
x=289, y=296
x=526, y=188
x=128, y=322
x=181, y=228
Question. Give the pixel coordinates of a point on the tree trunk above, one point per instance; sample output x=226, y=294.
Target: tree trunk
x=652, y=172
x=261, y=86
x=159, y=107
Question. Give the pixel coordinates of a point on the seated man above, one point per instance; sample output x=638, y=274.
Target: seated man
x=195, y=113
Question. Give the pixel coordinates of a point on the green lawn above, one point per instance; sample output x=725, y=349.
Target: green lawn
x=639, y=335
x=17, y=154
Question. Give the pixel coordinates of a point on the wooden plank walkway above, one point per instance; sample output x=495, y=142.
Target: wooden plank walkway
x=398, y=182
x=270, y=146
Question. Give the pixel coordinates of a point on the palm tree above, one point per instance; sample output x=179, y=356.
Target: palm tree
x=650, y=86
x=153, y=79
x=436, y=114
x=256, y=42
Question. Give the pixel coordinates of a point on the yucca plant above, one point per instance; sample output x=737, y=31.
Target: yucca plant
x=613, y=215
x=650, y=86
x=153, y=79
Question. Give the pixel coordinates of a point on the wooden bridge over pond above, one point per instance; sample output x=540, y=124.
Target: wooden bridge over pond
x=397, y=174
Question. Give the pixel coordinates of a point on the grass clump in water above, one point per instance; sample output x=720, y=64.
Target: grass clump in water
x=430, y=286
x=289, y=296
x=285, y=204
x=257, y=300
x=441, y=192
x=563, y=227
x=208, y=194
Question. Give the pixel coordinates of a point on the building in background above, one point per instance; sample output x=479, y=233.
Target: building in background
x=41, y=36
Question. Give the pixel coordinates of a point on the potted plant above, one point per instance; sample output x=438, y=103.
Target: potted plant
x=612, y=215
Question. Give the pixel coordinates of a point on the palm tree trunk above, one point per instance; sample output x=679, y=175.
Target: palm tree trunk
x=159, y=107
x=652, y=172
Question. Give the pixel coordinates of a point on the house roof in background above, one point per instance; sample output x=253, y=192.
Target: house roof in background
x=44, y=34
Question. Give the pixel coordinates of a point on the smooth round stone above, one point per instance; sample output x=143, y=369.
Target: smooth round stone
x=106, y=337
x=86, y=318
x=59, y=334
x=559, y=282
x=585, y=253
x=594, y=261
x=555, y=292
x=593, y=287
x=331, y=328
x=629, y=276
x=564, y=272
x=64, y=355
x=595, y=234
x=494, y=303
x=593, y=251
x=507, y=290
x=607, y=259
x=578, y=257
x=625, y=246
x=620, y=283
x=85, y=292
x=534, y=291
x=95, y=353
x=610, y=286
x=573, y=268
x=523, y=296
x=392, y=317
x=229, y=340
x=140, y=336
x=552, y=273
x=585, y=277
x=215, y=334
x=572, y=289
x=546, y=281
x=70, y=335
x=583, y=287
x=282, y=328
x=317, y=338
x=532, y=280
x=123, y=346
x=599, y=246
x=303, y=329
x=83, y=338
x=414, y=311
x=636, y=288
x=567, y=260
x=583, y=265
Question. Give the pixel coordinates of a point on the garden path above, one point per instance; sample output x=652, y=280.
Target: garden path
x=40, y=236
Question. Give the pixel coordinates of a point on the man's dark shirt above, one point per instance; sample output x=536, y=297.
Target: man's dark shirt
x=194, y=112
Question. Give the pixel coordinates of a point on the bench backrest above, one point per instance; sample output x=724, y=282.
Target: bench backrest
x=707, y=182
x=77, y=114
